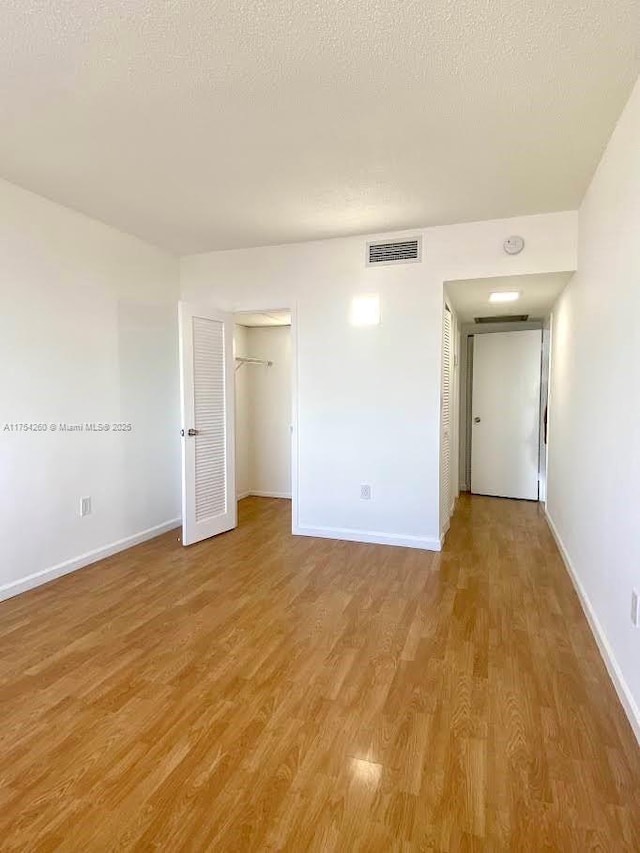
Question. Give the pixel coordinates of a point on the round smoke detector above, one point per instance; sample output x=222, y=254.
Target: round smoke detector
x=514, y=245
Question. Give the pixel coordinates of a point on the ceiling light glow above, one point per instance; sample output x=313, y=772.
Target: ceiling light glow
x=365, y=310
x=504, y=296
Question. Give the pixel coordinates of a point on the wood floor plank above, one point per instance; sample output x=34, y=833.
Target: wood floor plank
x=262, y=691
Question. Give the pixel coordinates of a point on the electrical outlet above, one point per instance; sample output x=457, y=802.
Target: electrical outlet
x=85, y=506
x=635, y=608
x=365, y=492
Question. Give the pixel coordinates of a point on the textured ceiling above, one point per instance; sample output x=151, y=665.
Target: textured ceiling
x=469, y=298
x=204, y=124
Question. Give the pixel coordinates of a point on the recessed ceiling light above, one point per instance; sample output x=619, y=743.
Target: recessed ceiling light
x=504, y=296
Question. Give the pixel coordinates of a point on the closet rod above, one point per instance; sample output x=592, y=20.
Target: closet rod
x=242, y=360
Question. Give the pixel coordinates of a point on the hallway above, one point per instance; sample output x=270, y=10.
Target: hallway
x=263, y=691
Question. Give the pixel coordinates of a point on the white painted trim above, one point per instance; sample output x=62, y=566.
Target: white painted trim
x=286, y=495
x=369, y=536
x=447, y=524
x=295, y=419
x=46, y=575
x=615, y=673
x=445, y=530
x=242, y=495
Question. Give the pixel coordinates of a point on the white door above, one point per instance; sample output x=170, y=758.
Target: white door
x=207, y=398
x=506, y=414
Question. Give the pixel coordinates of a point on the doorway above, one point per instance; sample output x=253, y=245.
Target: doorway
x=502, y=346
x=263, y=404
x=218, y=352
x=505, y=414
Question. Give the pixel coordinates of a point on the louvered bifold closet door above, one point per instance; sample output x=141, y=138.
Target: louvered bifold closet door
x=206, y=349
x=209, y=418
x=446, y=418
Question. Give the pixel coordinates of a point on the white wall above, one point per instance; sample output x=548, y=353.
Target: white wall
x=88, y=332
x=263, y=412
x=270, y=399
x=369, y=398
x=243, y=415
x=593, y=487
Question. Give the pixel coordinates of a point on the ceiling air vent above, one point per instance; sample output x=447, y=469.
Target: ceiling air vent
x=397, y=252
x=503, y=318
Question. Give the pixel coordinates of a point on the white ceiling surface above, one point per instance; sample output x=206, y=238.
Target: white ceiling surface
x=206, y=125
x=263, y=318
x=469, y=298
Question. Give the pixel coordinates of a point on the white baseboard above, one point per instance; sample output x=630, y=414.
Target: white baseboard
x=369, y=536
x=615, y=673
x=285, y=495
x=242, y=496
x=53, y=572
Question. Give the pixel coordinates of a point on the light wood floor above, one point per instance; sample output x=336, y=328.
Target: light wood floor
x=260, y=691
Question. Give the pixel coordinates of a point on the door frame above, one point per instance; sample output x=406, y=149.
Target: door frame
x=252, y=307
x=465, y=385
x=532, y=493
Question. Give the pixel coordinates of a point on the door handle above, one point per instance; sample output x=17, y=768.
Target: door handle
x=192, y=432
x=477, y=420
